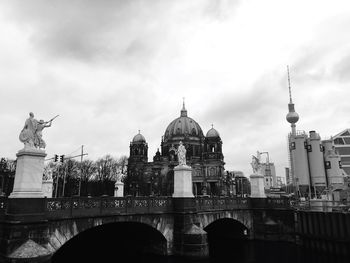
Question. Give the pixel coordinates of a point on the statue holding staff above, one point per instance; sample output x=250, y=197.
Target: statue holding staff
x=31, y=134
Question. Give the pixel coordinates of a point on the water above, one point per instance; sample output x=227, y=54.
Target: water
x=223, y=251
x=126, y=242
x=240, y=251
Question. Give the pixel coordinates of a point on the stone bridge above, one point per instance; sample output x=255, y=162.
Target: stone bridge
x=40, y=228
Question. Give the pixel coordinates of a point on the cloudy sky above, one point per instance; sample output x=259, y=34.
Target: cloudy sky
x=110, y=68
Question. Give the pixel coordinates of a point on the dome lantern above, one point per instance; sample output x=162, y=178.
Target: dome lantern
x=183, y=126
x=183, y=110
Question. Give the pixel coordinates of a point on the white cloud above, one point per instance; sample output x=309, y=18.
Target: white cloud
x=110, y=68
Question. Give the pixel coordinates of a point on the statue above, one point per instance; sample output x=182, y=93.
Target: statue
x=256, y=165
x=27, y=134
x=38, y=140
x=31, y=134
x=181, y=154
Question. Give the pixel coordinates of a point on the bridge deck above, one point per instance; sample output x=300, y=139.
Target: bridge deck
x=72, y=207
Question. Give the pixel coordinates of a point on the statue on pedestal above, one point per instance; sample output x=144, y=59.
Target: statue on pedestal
x=257, y=178
x=256, y=165
x=181, y=154
x=31, y=134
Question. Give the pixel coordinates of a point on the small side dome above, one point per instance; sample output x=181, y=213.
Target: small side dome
x=139, y=138
x=212, y=133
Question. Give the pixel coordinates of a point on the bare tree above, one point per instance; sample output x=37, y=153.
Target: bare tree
x=7, y=172
x=87, y=169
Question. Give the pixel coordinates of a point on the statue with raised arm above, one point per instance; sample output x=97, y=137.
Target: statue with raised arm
x=31, y=134
x=38, y=136
x=181, y=154
x=256, y=165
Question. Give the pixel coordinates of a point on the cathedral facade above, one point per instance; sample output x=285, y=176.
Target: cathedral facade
x=203, y=154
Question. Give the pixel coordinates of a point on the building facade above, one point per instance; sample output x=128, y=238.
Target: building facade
x=342, y=146
x=316, y=169
x=269, y=172
x=203, y=154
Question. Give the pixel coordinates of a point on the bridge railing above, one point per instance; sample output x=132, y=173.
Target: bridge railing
x=3, y=207
x=270, y=203
x=322, y=205
x=103, y=206
x=220, y=203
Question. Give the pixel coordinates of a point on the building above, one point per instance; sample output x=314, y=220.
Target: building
x=315, y=166
x=288, y=175
x=268, y=170
x=280, y=182
x=203, y=154
x=342, y=146
x=241, y=184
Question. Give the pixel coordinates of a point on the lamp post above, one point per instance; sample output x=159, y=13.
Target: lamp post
x=267, y=169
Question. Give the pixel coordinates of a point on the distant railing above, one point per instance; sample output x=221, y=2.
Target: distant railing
x=103, y=206
x=321, y=205
x=270, y=203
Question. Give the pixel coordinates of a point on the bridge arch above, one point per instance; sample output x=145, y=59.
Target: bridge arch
x=244, y=217
x=61, y=232
x=227, y=237
x=227, y=227
x=103, y=242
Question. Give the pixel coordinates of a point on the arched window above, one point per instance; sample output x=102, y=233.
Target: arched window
x=212, y=171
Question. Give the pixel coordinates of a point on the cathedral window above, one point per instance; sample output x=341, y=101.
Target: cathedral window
x=212, y=171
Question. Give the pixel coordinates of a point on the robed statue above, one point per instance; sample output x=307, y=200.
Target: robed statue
x=181, y=154
x=31, y=134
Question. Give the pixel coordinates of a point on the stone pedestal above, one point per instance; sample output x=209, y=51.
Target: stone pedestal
x=118, y=189
x=183, y=181
x=29, y=174
x=257, y=186
x=195, y=243
x=47, y=188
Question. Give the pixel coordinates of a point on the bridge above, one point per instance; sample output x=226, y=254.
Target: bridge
x=40, y=228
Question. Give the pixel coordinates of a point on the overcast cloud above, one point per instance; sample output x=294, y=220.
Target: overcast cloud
x=110, y=68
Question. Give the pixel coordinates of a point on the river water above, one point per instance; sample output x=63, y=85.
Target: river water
x=230, y=251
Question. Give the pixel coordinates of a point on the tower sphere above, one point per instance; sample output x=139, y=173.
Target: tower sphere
x=292, y=117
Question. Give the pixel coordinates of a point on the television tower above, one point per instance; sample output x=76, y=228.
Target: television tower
x=292, y=117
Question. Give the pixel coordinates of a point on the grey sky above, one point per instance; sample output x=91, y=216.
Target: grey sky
x=110, y=68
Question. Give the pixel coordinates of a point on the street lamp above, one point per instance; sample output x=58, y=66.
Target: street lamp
x=267, y=169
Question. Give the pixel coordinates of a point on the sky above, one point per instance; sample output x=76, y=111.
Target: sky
x=110, y=68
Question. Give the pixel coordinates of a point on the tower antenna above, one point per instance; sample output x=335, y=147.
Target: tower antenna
x=290, y=90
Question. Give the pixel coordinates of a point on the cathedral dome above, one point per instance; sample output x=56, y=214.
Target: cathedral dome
x=212, y=133
x=183, y=126
x=139, y=138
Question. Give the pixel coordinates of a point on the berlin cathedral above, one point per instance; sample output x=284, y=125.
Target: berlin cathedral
x=203, y=154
